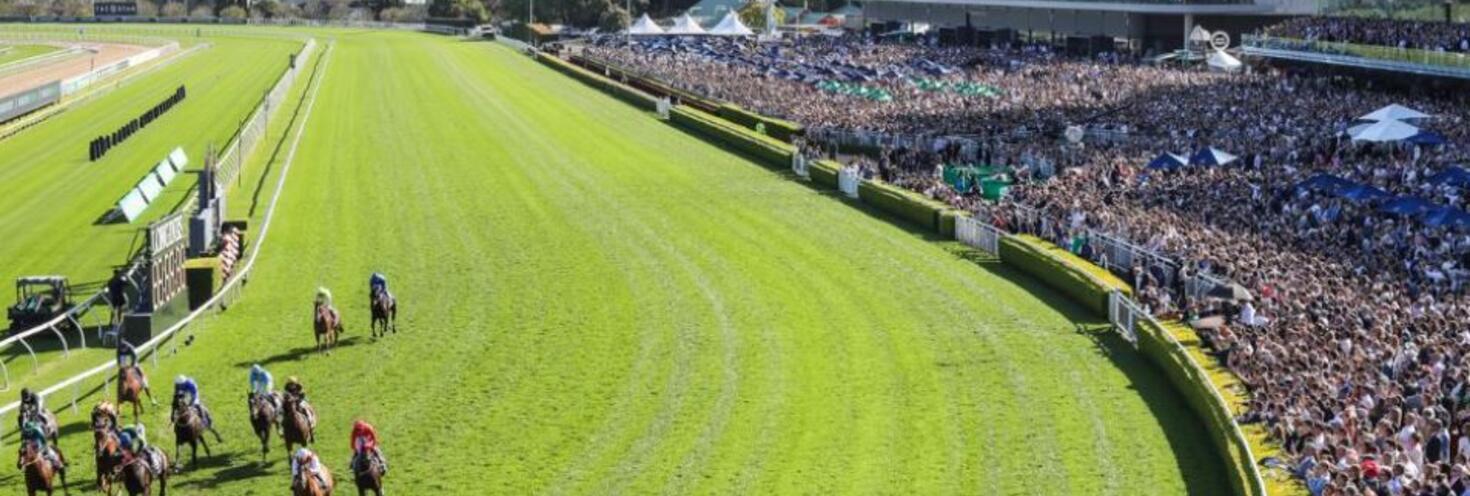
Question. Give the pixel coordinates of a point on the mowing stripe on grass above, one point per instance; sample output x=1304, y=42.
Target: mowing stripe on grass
x=595, y=302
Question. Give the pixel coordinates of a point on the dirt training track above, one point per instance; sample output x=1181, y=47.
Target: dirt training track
x=69, y=67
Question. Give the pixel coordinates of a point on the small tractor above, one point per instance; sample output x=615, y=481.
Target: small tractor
x=37, y=300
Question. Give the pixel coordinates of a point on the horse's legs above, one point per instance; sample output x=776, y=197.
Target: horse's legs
x=206, y=443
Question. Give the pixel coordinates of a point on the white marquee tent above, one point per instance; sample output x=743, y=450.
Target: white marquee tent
x=731, y=26
x=644, y=26
x=685, y=26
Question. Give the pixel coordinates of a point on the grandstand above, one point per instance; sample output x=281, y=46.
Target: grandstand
x=1146, y=25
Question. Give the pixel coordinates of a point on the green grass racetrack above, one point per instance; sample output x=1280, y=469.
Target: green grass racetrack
x=594, y=302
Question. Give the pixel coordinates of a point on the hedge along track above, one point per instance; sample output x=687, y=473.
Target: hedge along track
x=565, y=265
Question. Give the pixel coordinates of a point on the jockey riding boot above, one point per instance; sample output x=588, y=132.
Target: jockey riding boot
x=382, y=461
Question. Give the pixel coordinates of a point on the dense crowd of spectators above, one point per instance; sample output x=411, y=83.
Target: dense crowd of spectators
x=1355, y=343
x=1423, y=35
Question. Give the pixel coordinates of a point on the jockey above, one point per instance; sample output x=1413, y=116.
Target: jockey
x=365, y=442
x=305, y=460
x=260, y=380
x=185, y=386
x=323, y=297
x=134, y=442
x=30, y=403
x=260, y=384
x=377, y=282
x=31, y=432
x=133, y=439
x=127, y=355
x=295, y=391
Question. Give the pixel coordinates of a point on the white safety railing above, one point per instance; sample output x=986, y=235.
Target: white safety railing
x=1127, y=317
x=253, y=128
x=1124, y=314
x=848, y=181
x=799, y=166
x=228, y=293
x=237, y=153
x=979, y=235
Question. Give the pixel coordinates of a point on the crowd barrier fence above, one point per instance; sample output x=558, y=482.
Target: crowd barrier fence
x=227, y=294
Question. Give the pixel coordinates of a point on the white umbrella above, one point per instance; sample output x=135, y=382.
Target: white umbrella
x=1394, y=112
x=685, y=26
x=1223, y=61
x=1382, y=131
x=645, y=26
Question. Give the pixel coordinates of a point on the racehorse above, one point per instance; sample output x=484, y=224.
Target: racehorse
x=328, y=324
x=307, y=485
x=130, y=389
x=297, y=429
x=188, y=429
x=104, y=438
x=138, y=479
x=367, y=471
x=39, y=471
x=385, y=310
x=262, y=418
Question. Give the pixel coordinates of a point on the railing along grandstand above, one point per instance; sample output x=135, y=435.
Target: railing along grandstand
x=227, y=294
x=1413, y=60
x=1127, y=318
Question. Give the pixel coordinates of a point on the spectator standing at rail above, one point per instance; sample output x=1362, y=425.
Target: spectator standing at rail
x=117, y=296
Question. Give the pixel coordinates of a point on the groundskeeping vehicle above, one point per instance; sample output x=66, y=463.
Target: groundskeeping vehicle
x=38, y=299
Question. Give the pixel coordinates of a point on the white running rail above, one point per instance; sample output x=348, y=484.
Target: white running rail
x=227, y=293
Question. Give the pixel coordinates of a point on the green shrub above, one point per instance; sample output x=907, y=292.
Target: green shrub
x=1190, y=381
x=947, y=219
x=824, y=172
x=780, y=129
x=1061, y=270
x=618, y=90
x=901, y=204
x=766, y=149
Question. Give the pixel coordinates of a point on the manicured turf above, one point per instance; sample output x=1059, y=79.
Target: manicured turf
x=54, y=196
x=22, y=52
x=595, y=302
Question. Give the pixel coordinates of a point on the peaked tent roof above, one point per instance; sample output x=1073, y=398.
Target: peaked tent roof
x=1211, y=156
x=1199, y=33
x=685, y=25
x=644, y=26
x=731, y=26
x=1168, y=161
x=1223, y=61
x=1381, y=131
x=1394, y=112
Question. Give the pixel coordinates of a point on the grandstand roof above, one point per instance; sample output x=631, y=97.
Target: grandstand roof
x=1239, y=7
x=707, y=11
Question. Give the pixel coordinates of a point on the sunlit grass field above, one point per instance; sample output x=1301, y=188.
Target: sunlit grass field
x=594, y=302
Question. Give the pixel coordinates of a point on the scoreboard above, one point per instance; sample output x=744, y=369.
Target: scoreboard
x=114, y=9
x=166, y=244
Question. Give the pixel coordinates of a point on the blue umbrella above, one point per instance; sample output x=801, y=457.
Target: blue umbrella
x=1211, y=156
x=1452, y=175
x=1362, y=192
x=1406, y=205
x=1326, y=182
x=1427, y=138
x=1442, y=216
x=1167, y=161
